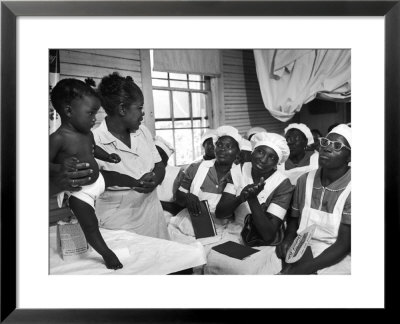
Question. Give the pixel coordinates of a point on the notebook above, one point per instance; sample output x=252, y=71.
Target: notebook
x=235, y=250
x=203, y=224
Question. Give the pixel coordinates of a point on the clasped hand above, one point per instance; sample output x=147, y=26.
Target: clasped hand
x=147, y=183
x=252, y=190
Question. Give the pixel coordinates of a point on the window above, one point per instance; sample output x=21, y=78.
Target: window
x=181, y=105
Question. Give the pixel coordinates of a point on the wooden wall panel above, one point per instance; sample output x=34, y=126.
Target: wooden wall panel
x=243, y=104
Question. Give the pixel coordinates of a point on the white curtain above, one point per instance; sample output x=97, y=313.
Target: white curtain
x=199, y=61
x=290, y=78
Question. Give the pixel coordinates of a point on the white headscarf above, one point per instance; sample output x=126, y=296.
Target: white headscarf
x=245, y=145
x=275, y=141
x=254, y=130
x=209, y=133
x=343, y=130
x=228, y=131
x=165, y=146
x=304, y=129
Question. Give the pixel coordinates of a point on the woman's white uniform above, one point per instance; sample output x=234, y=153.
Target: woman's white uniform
x=327, y=229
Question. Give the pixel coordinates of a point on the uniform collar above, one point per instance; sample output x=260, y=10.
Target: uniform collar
x=105, y=136
x=339, y=184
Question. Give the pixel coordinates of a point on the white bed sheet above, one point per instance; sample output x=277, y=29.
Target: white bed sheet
x=139, y=254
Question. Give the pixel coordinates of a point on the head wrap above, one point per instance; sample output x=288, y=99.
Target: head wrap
x=245, y=145
x=343, y=130
x=304, y=129
x=254, y=130
x=209, y=133
x=164, y=145
x=229, y=131
x=275, y=141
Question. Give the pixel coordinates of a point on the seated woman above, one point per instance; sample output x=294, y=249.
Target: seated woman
x=205, y=180
x=300, y=161
x=263, y=192
x=167, y=189
x=323, y=197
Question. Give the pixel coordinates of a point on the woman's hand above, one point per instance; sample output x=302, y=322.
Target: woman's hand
x=193, y=204
x=282, y=249
x=252, y=190
x=71, y=176
x=146, y=183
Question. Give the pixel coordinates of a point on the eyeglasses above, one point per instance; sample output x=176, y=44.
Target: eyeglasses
x=337, y=146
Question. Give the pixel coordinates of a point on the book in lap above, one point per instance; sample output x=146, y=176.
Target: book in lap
x=235, y=250
x=203, y=224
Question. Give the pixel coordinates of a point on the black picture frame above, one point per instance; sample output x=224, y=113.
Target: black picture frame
x=11, y=10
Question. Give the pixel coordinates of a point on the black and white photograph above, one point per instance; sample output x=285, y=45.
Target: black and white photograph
x=200, y=161
x=163, y=161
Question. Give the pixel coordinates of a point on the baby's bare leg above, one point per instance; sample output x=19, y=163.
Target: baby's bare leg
x=88, y=221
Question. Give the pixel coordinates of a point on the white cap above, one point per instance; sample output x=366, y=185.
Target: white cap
x=275, y=141
x=254, y=130
x=343, y=130
x=209, y=133
x=229, y=131
x=304, y=129
x=164, y=145
x=245, y=145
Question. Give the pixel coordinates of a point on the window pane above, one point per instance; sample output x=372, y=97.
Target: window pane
x=161, y=104
x=179, y=84
x=184, y=148
x=178, y=76
x=160, y=83
x=196, y=123
x=163, y=124
x=162, y=75
x=199, y=104
x=183, y=124
x=181, y=104
x=195, y=85
x=194, y=77
x=205, y=123
x=197, y=142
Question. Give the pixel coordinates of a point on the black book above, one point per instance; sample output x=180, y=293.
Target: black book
x=235, y=250
x=203, y=224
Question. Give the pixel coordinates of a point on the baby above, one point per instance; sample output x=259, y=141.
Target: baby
x=77, y=104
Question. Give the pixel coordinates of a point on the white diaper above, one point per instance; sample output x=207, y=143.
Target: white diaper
x=88, y=193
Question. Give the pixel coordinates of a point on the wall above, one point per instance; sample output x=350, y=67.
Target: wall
x=243, y=104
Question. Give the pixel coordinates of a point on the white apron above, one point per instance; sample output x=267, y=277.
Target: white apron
x=263, y=262
x=294, y=174
x=182, y=220
x=165, y=190
x=132, y=211
x=270, y=185
x=328, y=224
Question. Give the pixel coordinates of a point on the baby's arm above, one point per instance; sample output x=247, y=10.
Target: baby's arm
x=102, y=155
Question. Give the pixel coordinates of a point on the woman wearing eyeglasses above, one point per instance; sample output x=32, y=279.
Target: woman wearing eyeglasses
x=300, y=161
x=323, y=198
